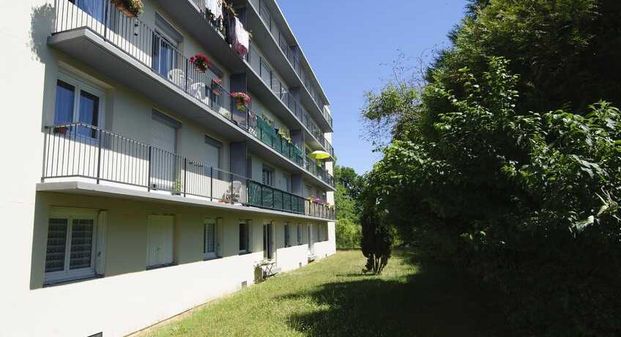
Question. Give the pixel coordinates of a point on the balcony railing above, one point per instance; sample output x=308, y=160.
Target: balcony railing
x=313, y=166
x=80, y=151
x=271, y=79
x=142, y=43
x=292, y=56
x=268, y=135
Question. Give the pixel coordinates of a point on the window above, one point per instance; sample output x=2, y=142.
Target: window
x=210, y=239
x=299, y=234
x=287, y=183
x=244, y=237
x=317, y=233
x=213, y=152
x=70, y=252
x=78, y=103
x=268, y=241
x=268, y=176
x=166, y=40
x=287, y=236
x=160, y=230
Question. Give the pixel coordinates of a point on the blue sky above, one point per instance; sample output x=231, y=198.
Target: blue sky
x=351, y=45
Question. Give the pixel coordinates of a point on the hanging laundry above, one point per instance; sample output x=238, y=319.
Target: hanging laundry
x=214, y=7
x=241, y=38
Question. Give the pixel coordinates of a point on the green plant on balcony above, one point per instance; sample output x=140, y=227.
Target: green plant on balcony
x=131, y=8
x=177, y=187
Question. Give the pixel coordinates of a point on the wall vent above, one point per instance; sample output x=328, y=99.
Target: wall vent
x=99, y=334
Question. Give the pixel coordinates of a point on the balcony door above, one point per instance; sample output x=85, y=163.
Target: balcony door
x=165, y=168
x=94, y=8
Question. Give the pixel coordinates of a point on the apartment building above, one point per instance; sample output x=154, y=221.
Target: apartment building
x=156, y=156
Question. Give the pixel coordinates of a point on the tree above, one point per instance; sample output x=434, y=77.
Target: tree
x=377, y=236
x=507, y=162
x=348, y=184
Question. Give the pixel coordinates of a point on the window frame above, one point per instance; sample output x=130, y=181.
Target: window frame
x=67, y=274
x=270, y=176
x=79, y=85
x=210, y=255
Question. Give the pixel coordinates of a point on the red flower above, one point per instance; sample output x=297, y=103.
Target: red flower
x=200, y=61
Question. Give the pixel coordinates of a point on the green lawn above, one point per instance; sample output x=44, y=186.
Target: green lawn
x=333, y=298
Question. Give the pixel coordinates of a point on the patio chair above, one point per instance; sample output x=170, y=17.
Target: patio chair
x=177, y=76
x=234, y=192
x=198, y=90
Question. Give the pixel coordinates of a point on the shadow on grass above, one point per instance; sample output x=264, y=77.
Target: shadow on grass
x=436, y=302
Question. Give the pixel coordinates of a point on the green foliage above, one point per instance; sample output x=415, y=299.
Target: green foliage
x=377, y=233
x=508, y=168
x=348, y=186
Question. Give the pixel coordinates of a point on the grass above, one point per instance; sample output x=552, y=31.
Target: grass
x=333, y=298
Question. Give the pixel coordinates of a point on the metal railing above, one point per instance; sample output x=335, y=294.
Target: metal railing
x=145, y=45
x=271, y=79
x=81, y=151
x=313, y=167
x=292, y=56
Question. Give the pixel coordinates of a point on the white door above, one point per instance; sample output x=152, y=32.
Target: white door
x=164, y=166
x=160, y=240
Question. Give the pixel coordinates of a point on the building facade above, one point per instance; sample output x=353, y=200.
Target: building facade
x=155, y=159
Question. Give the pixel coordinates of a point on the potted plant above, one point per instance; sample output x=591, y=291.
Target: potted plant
x=177, y=187
x=242, y=100
x=200, y=61
x=216, y=86
x=131, y=8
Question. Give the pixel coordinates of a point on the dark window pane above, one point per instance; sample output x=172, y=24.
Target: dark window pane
x=243, y=237
x=65, y=98
x=56, y=245
x=89, y=113
x=81, y=243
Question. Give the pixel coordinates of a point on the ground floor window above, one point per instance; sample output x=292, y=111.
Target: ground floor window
x=268, y=241
x=210, y=236
x=70, y=251
x=299, y=234
x=244, y=237
x=287, y=236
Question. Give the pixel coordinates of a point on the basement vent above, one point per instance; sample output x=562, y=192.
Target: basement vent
x=99, y=334
x=300, y=265
x=244, y=284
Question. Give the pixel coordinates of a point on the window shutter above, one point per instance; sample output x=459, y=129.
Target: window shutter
x=100, y=252
x=219, y=237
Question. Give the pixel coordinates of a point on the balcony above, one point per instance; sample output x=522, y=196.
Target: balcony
x=190, y=13
x=122, y=48
x=80, y=152
x=260, y=8
x=269, y=77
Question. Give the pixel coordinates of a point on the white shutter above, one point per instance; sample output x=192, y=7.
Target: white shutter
x=100, y=253
x=219, y=237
